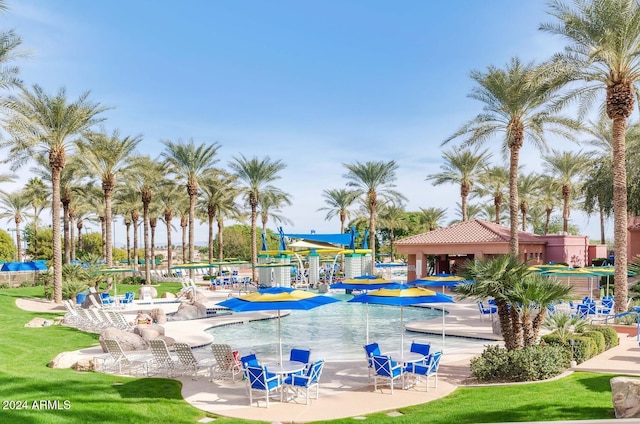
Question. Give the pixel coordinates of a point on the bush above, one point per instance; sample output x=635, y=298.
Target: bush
x=583, y=348
x=610, y=335
x=71, y=287
x=133, y=280
x=4, y=285
x=532, y=363
x=598, y=339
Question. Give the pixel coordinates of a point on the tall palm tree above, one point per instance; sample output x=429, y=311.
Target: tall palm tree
x=38, y=194
x=14, y=207
x=217, y=198
x=494, y=182
x=38, y=121
x=515, y=100
x=548, y=198
x=462, y=167
x=604, y=53
x=171, y=200
x=256, y=176
x=145, y=174
x=474, y=211
x=269, y=207
x=191, y=163
x=393, y=217
x=528, y=189
x=430, y=218
x=568, y=168
x=338, y=201
x=373, y=180
x=103, y=157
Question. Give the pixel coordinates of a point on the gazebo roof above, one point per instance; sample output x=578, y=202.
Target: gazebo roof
x=473, y=231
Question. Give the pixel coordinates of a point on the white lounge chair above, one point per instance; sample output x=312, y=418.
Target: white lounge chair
x=190, y=362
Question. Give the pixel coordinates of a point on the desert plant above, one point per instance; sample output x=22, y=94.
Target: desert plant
x=71, y=287
x=610, y=335
x=564, y=325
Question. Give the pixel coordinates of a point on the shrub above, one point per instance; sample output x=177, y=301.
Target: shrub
x=133, y=280
x=4, y=285
x=610, y=335
x=27, y=283
x=71, y=287
x=532, y=363
x=583, y=348
x=598, y=339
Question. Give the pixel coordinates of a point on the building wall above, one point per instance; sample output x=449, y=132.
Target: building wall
x=572, y=250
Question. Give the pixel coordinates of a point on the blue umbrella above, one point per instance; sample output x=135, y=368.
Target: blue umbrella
x=264, y=240
x=277, y=299
x=364, y=283
x=402, y=297
x=440, y=280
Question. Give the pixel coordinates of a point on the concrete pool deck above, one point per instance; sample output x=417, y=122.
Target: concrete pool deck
x=345, y=389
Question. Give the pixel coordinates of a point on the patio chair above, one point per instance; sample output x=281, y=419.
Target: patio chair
x=484, y=310
x=371, y=350
x=300, y=355
x=247, y=361
x=162, y=358
x=190, y=362
x=106, y=299
x=128, y=298
x=386, y=369
x=306, y=381
x=421, y=348
x=227, y=363
x=262, y=382
x=131, y=360
x=427, y=370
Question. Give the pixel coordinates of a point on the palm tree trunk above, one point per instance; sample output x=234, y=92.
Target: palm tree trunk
x=127, y=225
x=514, y=248
x=497, y=203
x=220, y=238
x=18, y=240
x=147, y=250
x=391, y=243
x=108, y=252
x=516, y=326
x=620, y=214
x=135, y=244
x=65, y=221
x=566, y=190
x=464, y=193
x=169, y=246
x=254, y=250
x=372, y=238
x=210, y=240
x=72, y=236
x=57, y=243
x=35, y=233
x=601, y=213
x=153, y=222
x=192, y=224
x=547, y=220
x=505, y=324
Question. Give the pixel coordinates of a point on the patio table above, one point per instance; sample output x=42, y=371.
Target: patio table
x=406, y=357
x=284, y=368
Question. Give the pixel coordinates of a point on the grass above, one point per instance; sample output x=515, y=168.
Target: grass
x=24, y=376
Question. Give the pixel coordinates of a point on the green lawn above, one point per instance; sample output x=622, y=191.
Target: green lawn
x=95, y=397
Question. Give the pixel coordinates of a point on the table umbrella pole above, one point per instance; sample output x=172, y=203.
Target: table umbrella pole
x=279, y=336
x=443, y=324
x=401, y=335
x=367, y=321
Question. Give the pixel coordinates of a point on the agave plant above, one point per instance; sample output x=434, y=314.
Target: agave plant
x=564, y=325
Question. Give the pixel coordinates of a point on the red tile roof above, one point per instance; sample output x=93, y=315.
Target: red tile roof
x=474, y=231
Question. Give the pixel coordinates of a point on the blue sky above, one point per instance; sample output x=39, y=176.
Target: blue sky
x=313, y=83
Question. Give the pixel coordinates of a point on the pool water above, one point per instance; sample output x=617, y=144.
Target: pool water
x=334, y=332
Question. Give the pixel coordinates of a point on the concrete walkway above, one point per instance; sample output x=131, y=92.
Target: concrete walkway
x=345, y=389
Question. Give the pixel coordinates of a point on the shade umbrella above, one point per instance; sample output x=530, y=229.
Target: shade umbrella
x=366, y=284
x=441, y=280
x=573, y=272
x=277, y=299
x=402, y=297
x=607, y=271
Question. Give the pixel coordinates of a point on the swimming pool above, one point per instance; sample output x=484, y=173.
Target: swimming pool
x=335, y=331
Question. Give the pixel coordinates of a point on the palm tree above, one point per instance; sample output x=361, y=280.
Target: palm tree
x=14, y=206
x=38, y=121
x=103, y=157
x=256, y=175
x=568, y=168
x=474, y=211
x=269, y=207
x=462, y=167
x=217, y=197
x=514, y=104
x=547, y=198
x=338, y=201
x=430, y=218
x=191, y=164
x=494, y=182
x=604, y=53
x=393, y=217
x=38, y=195
x=145, y=174
x=170, y=200
x=373, y=180
x=528, y=189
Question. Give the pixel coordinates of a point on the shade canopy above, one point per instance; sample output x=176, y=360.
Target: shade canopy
x=24, y=266
x=440, y=281
x=195, y=266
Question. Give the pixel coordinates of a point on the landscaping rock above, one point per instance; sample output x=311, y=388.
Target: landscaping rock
x=198, y=298
x=169, y=341
x=187, y=311
x=64, y=360
x=158, y=316
x=625, y=392
x=38, y=322
x=168, y=295
x=149, y=332
x=128, y=341
x=84, y=365
x=146, y=292
x=87, y=302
